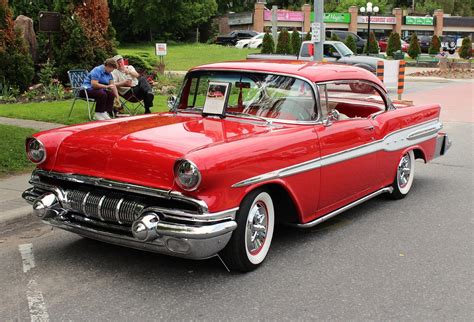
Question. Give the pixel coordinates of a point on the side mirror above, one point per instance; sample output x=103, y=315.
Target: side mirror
x=171, y=101
x=331, y=118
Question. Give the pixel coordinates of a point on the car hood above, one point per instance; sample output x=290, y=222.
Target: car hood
x=144, y=150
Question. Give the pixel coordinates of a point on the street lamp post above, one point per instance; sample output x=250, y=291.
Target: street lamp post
x=370, y=11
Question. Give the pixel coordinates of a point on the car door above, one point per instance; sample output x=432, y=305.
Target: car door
x=348, y=159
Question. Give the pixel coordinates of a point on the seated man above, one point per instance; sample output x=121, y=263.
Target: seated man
x=129, y=83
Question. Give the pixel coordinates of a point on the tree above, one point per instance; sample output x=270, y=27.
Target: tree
x=394, y=43
x=335, y=37
x=268, y=45
x=466, y=48
x=434, y=46
x=351, y=43
x=283, y=44
x=137, y=20
x=17, y=65
x=372, y=47
x=414, y=49
x=343, y=5
x=295, y=42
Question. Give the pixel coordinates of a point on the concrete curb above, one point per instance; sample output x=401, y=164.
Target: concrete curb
x=435, y=79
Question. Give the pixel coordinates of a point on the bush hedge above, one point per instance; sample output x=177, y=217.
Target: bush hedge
x=394, y=44
x=351, y=43
x=435, y=46
x=295, y=42
x=283, y=44
x=414, y=49
x=268, y=45
x=466, y=48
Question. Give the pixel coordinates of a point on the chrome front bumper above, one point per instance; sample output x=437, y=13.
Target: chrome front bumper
x=443, y=143
x=171, y=231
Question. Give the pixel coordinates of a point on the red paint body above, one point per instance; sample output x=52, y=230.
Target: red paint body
x=143, y=150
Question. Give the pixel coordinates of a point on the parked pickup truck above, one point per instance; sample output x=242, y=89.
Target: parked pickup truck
x=334, y=51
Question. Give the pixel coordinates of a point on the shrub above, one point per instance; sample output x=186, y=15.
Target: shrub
x=434, y=46
x=335, y=37
x=414, y=49
x=140, y=64
x=351, y=43
x=295, y=42
x=466, y=48
x=268, y=45
x=307, y=37
x=283, y=44
x=372, y=47
x=394, y=44
x=17, y=66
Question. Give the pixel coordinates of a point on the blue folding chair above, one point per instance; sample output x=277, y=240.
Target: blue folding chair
x=76, y=78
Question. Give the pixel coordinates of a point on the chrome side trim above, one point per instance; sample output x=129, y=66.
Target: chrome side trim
x=342, y=209
x=122, y=186
x=394, y=141
x=425, y=132
x=228, y=214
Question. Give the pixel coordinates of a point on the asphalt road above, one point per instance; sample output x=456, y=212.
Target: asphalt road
x=384, y=260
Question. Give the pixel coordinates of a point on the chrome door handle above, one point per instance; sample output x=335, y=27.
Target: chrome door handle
x=369, y=128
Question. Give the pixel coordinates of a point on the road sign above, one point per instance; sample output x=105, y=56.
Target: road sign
x=316, y=32
x=160, y=49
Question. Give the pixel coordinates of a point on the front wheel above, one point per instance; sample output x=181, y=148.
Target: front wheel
x=250, y=242
x=404, y=176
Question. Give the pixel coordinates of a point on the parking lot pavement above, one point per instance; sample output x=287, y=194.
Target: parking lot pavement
x=383, y=260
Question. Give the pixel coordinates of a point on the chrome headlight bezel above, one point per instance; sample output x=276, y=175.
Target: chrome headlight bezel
x=187, y=175
x=35, y=150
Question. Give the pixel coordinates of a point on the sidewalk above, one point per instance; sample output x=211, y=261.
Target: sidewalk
x=12, y=205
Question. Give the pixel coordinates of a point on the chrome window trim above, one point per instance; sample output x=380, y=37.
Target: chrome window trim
x=122, y=186
x=383, y=144
x=270, y=120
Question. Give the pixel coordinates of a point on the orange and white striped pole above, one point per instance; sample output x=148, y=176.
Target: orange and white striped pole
x=401, y=79
x=380, y=70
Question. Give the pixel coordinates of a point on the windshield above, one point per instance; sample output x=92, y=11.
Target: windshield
x=252, y=94
x=343, y=49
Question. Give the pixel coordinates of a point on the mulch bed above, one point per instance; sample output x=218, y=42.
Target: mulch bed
x=453, y=74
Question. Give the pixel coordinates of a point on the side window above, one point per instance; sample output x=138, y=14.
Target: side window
x=351, y=99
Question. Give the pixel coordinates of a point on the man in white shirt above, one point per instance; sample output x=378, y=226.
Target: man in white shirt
x=129, y=83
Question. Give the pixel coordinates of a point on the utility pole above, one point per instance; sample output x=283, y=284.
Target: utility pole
x=275, y=24
x=318, y=30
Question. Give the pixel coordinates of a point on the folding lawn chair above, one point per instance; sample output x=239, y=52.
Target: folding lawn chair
x=130, y=103
x=76, y=78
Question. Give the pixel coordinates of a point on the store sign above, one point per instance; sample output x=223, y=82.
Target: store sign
x=377, y=20
x=411, y=20
x=245, y=18
x=335, y=17
x=284, y=15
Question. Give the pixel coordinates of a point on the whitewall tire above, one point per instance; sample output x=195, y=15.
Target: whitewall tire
x=404, y=176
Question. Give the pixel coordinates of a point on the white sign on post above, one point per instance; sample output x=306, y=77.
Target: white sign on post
x=316, y=32
x=160, y=49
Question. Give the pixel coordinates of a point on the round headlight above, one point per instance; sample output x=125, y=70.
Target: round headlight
x=35, y=150
x=187, y=175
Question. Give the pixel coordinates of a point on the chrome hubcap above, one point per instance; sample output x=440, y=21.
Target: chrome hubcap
x=404, y=170
x=257, y=225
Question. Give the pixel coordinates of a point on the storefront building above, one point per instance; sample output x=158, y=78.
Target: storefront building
x=353, y=21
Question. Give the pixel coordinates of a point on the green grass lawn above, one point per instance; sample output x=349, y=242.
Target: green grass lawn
x=184, y=56
x=57, y=112
x=12, y=150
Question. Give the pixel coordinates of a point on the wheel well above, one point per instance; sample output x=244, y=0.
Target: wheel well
x=419, y=154
x=285, y=209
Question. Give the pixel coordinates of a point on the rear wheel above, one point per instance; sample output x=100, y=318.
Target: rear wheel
x=404, y=176
x=250, y=242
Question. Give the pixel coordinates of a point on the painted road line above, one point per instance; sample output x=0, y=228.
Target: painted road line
x=36, y=304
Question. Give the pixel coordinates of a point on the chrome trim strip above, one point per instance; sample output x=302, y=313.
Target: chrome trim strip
x=342, y=209
x=84, y=204
x=99, y=208
x=201, y=232
x=123, y=186
x=117, y=211
x=228, y=214
x=425, y=132
x=391, y=142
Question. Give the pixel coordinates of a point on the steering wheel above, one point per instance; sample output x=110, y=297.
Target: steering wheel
x=300, y=112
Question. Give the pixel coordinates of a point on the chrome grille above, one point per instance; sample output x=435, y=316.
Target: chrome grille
x=110, y=206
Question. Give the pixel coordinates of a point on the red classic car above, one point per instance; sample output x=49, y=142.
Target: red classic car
x=383, y=42
x=296, y=145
